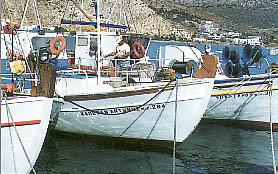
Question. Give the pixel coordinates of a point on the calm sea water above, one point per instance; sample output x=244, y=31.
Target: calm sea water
x=211, y=148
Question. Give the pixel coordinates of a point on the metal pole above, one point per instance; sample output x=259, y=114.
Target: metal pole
x=0, y=54
x=12, y=52
x=175, y=129
x=98, y=42
x=0, y=39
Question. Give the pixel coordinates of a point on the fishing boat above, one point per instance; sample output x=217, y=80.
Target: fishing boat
x=24, y=123
x=144, y=100
x=246, y=94
x=27, y=104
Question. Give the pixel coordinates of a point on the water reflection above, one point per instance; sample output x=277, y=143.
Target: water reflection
x=211, y=148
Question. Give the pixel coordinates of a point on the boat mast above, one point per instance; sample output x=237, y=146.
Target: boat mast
x=0, y=46
x=98, y=41
x=81, y=15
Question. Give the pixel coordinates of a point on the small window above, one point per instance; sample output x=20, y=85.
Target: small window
x=82, y=41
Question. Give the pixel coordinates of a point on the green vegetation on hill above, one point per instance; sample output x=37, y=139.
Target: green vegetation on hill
x=260, y=20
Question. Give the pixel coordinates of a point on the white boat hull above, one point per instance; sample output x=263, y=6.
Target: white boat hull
x=31, y=116
x=246, y=100
x=127, y=113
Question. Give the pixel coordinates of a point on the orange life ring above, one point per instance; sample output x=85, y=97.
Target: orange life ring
x=52, y=45
x=138, y=44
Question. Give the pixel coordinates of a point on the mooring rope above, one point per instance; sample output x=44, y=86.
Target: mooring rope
x=270, y=124
x=131, y=110
x=144, y=110
x=21, y=143
x=158, y=118
x=10, y=132
x=248, y=100
x=216, y=104
x=240, y=85
x=175, y=129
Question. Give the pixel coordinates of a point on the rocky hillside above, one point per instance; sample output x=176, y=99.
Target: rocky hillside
x=156, y=16
x=140, y=18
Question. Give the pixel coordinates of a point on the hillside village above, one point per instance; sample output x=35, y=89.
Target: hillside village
x=209, y=33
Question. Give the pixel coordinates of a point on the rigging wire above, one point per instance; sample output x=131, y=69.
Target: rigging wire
x=64, y=13
x=25, y=7
x=17, y=8
x=131, y=16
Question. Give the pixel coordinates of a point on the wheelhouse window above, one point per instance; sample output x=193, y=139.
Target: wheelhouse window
x=82, y=41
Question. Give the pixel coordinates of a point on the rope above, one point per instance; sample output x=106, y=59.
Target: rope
x=97, y=112
x=21, y=143
x=10, y=132
x=233, y=88
x=248, y=100
x=202, y=64
x=270, y=124
x=175, y=129
x=239, y=109
x=215, y=105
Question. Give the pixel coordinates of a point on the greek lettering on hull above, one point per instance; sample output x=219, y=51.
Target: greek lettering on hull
x=120, y=110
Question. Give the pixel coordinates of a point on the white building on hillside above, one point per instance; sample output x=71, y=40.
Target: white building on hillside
x=196, y=39
x=208, y=27
x=233, y=34
x=179, y=32
x=252, y=40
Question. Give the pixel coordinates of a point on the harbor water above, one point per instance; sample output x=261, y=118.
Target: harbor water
x=211, y=148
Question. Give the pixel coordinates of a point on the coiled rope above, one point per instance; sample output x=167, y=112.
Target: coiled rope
x=21, y=143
